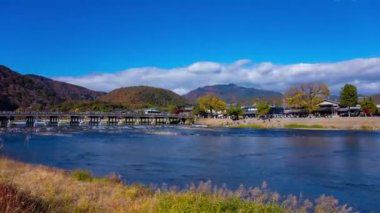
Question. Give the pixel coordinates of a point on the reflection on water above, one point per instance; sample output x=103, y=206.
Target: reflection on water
x=344, y=164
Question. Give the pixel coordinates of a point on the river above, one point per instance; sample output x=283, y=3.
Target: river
x=344, y=164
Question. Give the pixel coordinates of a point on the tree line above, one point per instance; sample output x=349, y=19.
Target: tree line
x=306, y=96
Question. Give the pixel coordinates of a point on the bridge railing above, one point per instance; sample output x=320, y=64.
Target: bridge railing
x=117, y=114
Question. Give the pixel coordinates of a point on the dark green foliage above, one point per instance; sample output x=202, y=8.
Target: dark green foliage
x=235, y=110
x=199, y=111
x=348, y=96
x=82, y=175
x=369, y=107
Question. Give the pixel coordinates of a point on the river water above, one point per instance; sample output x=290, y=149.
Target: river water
x=344, y=164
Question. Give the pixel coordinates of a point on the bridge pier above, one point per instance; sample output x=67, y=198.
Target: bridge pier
x=94, y=120
x=130, y=120
x=113, y=121
x=30, y=120
x=173, y=120
x=161, y=120
x=152, y=121
x=137, y=121
x=74, y=120
x=4, y=122
x=53, y=120
x=145, y=121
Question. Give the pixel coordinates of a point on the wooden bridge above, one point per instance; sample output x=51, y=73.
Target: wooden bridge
x=33, y=119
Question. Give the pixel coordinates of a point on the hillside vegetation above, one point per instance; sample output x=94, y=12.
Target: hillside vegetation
x=143, y=96
x=86, y=106
x=31, y=92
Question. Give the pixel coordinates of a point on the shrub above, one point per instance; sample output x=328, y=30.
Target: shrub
x=82, y=175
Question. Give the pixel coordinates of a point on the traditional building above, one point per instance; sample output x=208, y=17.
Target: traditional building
x=327, y=108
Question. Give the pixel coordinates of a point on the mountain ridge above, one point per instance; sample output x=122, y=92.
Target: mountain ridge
x=33, y=92
x=232, y=93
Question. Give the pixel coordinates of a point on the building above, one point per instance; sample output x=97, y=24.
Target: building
x=152, y=111
x=354, y=111
x=327, y=108
x=249, y=111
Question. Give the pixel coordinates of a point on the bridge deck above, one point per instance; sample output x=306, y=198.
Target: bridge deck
x=88, y=114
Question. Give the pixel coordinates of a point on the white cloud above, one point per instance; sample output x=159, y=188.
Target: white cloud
x=364, y=73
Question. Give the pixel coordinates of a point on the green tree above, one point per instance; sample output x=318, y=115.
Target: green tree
x=199, y=111
x=211, y=103
x=348, y=97
x=172, y=108
x=368, y=107
x=307, y=96
x=235, y=111
x=263, y=109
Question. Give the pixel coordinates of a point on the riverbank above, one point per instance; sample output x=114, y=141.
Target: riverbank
x=345, y=123
x=35, y=188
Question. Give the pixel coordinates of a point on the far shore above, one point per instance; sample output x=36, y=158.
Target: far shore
x=343, y=123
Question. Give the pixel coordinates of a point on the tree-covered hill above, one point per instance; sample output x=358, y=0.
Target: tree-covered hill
x=143, y=96
x=31, y=92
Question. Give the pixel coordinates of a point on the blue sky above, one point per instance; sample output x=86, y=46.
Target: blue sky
x=80, y=37
x=181, y=45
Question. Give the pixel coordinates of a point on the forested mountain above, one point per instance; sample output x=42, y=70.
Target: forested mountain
x=232, y=93
x=32, y=92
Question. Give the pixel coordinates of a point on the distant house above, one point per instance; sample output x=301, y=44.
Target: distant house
x=152, y=111
x=354, y=111
x=327, y=108
x=185, y=111
x=249, y=111
x=293, y=112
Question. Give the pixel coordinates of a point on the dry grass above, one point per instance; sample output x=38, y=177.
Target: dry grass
x=44, y=189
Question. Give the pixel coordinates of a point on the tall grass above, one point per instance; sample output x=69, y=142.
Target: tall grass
x=44, y=189
x=12, y=200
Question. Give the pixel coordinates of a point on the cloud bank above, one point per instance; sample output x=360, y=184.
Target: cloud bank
x=364, y=73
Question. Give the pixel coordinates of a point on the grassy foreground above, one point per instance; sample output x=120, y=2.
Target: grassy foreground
x=34, y=188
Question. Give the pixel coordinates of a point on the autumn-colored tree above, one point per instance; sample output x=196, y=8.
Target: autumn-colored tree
x=307, y=96
x=211, y=103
